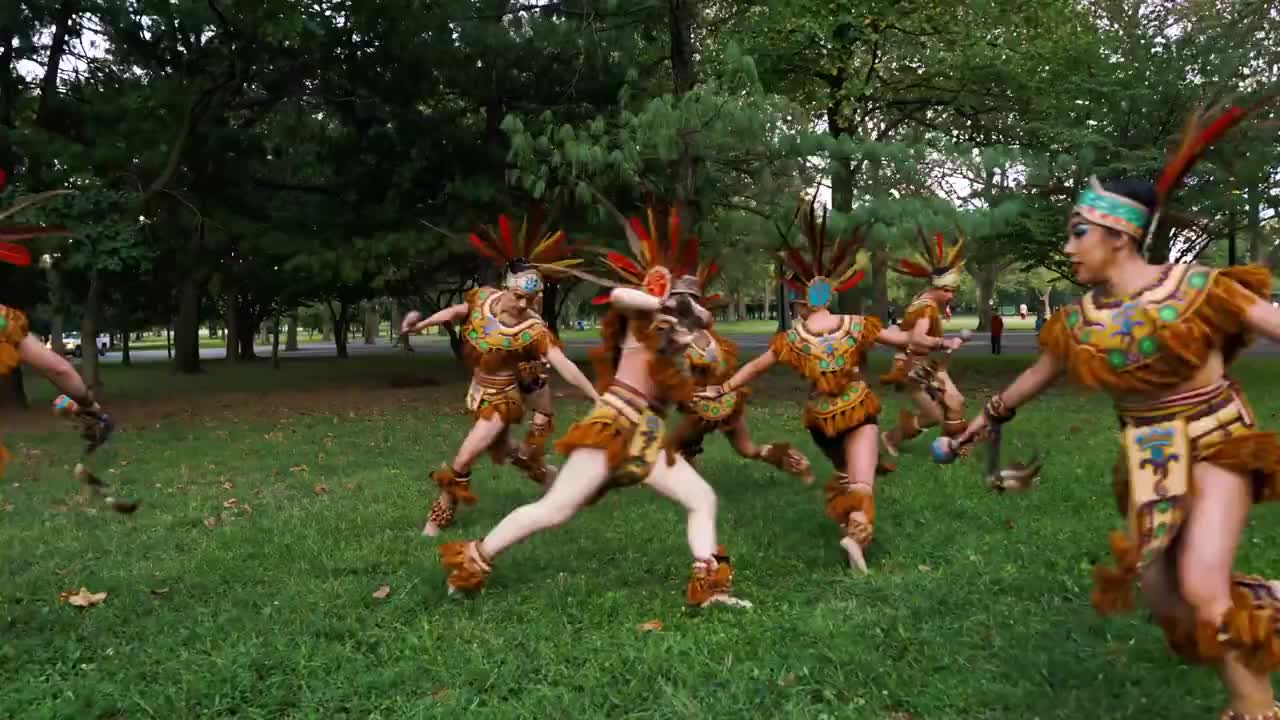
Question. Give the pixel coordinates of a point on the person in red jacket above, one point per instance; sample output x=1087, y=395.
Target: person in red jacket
x=997, y=330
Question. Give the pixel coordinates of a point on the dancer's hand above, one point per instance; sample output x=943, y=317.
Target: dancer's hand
x=976, y=428
x=710, y=392
x=409, y=324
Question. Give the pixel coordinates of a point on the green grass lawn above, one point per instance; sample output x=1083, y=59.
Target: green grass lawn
x=276, y=503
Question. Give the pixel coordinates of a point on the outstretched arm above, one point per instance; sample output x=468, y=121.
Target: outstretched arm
x=893, y=336
x=453, y=313
x=745, y=374
x=634, y=300
x=56, y=368
x=570, y=372
x=1263, y=318
x=1026, y=386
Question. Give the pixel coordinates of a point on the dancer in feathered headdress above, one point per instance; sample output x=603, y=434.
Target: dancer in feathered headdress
x=711, y=357
x=1158, y=338
x=829, y=350
x=508, y=347
x=652, y=317
x=926, y=380
x=18, y=347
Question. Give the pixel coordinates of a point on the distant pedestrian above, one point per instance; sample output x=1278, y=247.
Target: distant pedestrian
x=997, y=330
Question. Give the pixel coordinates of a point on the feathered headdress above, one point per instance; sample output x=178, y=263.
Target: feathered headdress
x=522, y=255
x=1120, y=213
x=656, y=264
x=940, y=266
x=832, y=266
x=11, y=234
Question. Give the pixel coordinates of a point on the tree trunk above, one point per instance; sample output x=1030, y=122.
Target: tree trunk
x=684, y=76
x=396, y=319
x=186, y=332
x=231, y=338
x=768, y=297
x=780, y=292
x=89, y=332
x=168, y=340
x=986, y=276
x=248, y=334
x=291, y=342
x=551, y=307
x=124, y=350
x=275, y=342
x=371, y=321
x=340, y=327
x=13, y=391
x=1253, y=223
x=880, y=282
x=56, y=328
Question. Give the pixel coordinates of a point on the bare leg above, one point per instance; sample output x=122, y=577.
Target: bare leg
x=482, y=435
x=861, y=455
x=53, y=366
x=681, y=483
x=583, y=475
x=910, y=424
x=780, y=455
x=1211, y=536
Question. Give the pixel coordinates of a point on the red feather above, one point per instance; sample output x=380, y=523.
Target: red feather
x=941, y=255
x=798, y=263
x=851, y=282
x=794, y=284
x=15, y=254
x=504, y=227
x=650, y=245
x=624, y=263
x=1192, y=147
x=689, y=263
x=710, y=298
x=483, y=248
x=602, y=299
x=4, y=177
x=673, y=236
x=914, y=269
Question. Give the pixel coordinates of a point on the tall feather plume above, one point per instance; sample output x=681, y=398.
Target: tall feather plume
x=911, y=268
x=504, y=234
x=941, y=254
x=957, y=252
x=633, y=240
x=484, y=249
x=22, y=233
x=624, y=265
x=674, y=255
x=653, y=233
x=1200, y=133
x=15, y=254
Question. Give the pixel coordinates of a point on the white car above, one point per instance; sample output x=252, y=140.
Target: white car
x=71, y=344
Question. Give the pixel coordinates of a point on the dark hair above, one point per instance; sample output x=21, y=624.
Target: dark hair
x=518, y=265
x=1139, y=191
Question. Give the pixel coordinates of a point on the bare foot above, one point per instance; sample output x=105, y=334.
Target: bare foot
x=727, y=600
x=856, y=560
x=431, y=530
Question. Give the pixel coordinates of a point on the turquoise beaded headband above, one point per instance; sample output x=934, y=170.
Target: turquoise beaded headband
x=1108, y=209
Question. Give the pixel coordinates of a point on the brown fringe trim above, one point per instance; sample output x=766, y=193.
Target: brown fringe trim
x=5, y=456
x=509, y=410
x=687, y=437
x=919, y=308
x=954, y=428
x=1217, y=322
x=14, y=331
x=467, y=566
x=532, y=454
x=848, y=419
x=599, y=435
x=1248, y=627
x=843, y=500
x=896, y=378
x=673, y=385
x=705, y=583
x=1113, y=586
x=829, y=382
x=458, y=488
x=1254, y=455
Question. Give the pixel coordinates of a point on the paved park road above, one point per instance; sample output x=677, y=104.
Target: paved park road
x=1015, y=343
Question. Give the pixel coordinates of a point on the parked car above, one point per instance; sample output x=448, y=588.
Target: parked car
x=71, y=344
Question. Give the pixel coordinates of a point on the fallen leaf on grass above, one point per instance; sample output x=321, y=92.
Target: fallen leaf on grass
x=59, y=507
x=439, y=694
x=1074, y=429
x=159, y=592
x=82, y=599
x=7, y=507
x=651, y=626
x=247, y=509
x=211, y=522
x=230, y=503
x=299, y=468
x=320, y=489
x=923, y=568
x=228, y=485
x=382, y=592
x=788, y=680
x=1009, y=524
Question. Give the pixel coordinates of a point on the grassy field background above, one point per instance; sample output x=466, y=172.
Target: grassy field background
x=275, y=504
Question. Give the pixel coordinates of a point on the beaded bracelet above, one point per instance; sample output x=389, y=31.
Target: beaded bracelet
x=997, y=411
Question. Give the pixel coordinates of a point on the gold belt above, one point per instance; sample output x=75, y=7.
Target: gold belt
x=494, y=382
x=1211, y=409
